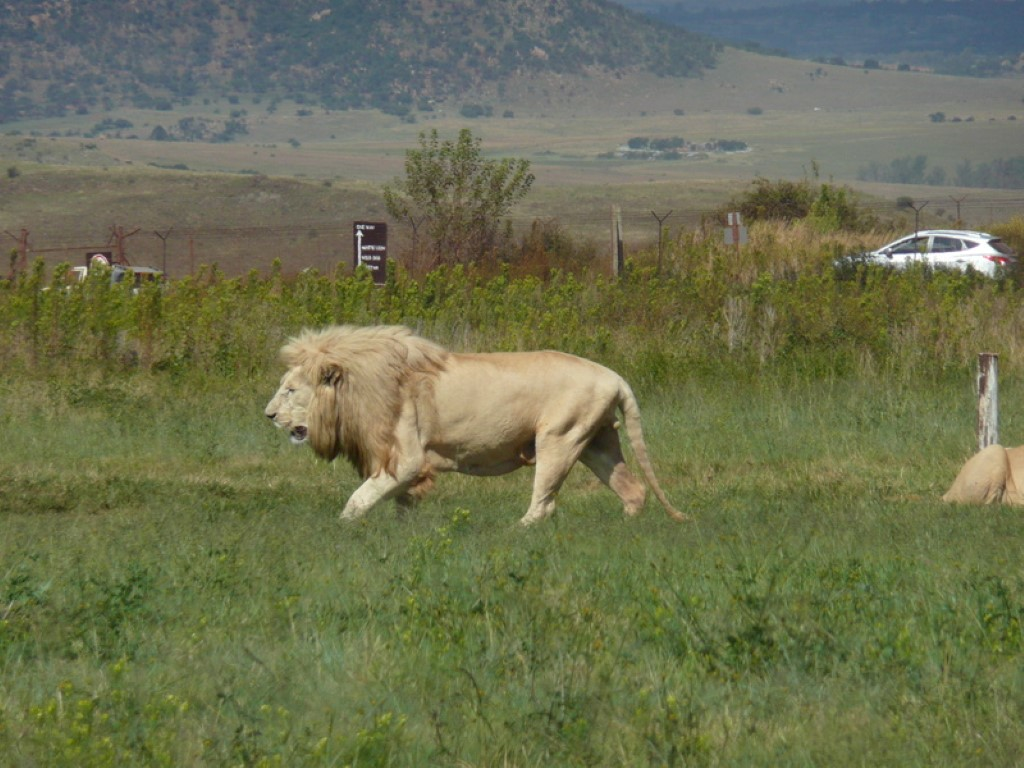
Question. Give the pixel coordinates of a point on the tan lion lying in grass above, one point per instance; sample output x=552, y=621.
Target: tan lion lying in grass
x=401, y=409
x=994, y=475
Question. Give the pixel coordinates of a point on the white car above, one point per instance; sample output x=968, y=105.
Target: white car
x=946, y=249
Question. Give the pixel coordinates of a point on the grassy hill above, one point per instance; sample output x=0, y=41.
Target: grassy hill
x=393, y=54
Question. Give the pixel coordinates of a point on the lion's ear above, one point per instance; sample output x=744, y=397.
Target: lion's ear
x=331, y=375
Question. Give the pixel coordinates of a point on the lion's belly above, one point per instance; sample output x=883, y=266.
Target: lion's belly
x=490, y=470
x=477, y=456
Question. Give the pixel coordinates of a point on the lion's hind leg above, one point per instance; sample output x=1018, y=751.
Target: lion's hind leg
x=415, y=492
x=603, y=455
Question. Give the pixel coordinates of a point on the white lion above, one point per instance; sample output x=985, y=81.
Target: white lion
x=401, y=408
x=994, y=475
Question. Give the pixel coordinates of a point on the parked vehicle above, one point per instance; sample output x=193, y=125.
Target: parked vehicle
x=944, y=249
x=119, y=273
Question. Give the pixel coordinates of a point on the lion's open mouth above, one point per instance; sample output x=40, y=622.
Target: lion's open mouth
x=299, y=435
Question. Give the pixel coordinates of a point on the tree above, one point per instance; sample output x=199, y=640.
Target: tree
x=456, y=197
x=835, y=210
x=774, y=200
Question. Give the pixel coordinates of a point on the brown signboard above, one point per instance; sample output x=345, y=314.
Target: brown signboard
x=370, y=243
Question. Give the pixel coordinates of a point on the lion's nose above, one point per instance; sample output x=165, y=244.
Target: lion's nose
x=270, y=415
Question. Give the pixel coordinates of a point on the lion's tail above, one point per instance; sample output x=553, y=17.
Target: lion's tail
x=631, y=419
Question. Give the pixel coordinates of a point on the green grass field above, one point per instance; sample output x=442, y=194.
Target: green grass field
x=176, y=590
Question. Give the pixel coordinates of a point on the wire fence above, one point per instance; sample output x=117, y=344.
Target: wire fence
x=326, y=243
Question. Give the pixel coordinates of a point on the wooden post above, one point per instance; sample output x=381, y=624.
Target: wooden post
x=734, y=229
x=117, y=238
x=988, y=399
x=163, y=239
x=661, y=222
x=20, y=261
x=618, y=260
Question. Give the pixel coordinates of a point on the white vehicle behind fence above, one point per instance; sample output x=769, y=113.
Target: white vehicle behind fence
x=944, y=249
x=119, y=273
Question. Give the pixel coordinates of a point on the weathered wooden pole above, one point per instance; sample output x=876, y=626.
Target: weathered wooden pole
x=988, y=399
x=19, y=262
x=163, y=239
x=661, y=234
x=618, y=258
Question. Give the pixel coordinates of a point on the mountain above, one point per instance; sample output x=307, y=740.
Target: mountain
x=60, y=55
x=646, y=6
x=963, y=37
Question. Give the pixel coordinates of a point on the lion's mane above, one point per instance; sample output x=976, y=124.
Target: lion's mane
x=360, y=379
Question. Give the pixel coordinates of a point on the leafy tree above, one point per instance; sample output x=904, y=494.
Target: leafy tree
x=835, y=209
x=472, y=111
x=774, y=200
x=663, y=145
x=827, y=207
x=456, y=198
x=729, y=145
x=908, y=169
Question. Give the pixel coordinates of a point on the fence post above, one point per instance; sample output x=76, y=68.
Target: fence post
x=988, y=399
x=617, y=253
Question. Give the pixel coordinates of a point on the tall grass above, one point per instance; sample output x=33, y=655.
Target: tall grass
x=776, y=304
x=175, y=588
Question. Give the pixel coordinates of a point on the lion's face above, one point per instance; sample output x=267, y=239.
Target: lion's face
x=289, y=406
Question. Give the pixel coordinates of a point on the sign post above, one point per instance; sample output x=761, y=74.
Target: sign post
x=370, y=244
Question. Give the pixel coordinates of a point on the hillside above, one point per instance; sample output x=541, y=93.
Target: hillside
x=396, y=55
x=291, y=186
x=961, y=37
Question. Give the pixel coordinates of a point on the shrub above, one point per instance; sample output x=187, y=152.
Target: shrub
x=778, y=200
x=772, y=304
x=473, y=111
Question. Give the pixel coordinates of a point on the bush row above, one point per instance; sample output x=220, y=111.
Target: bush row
x=777, y=305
